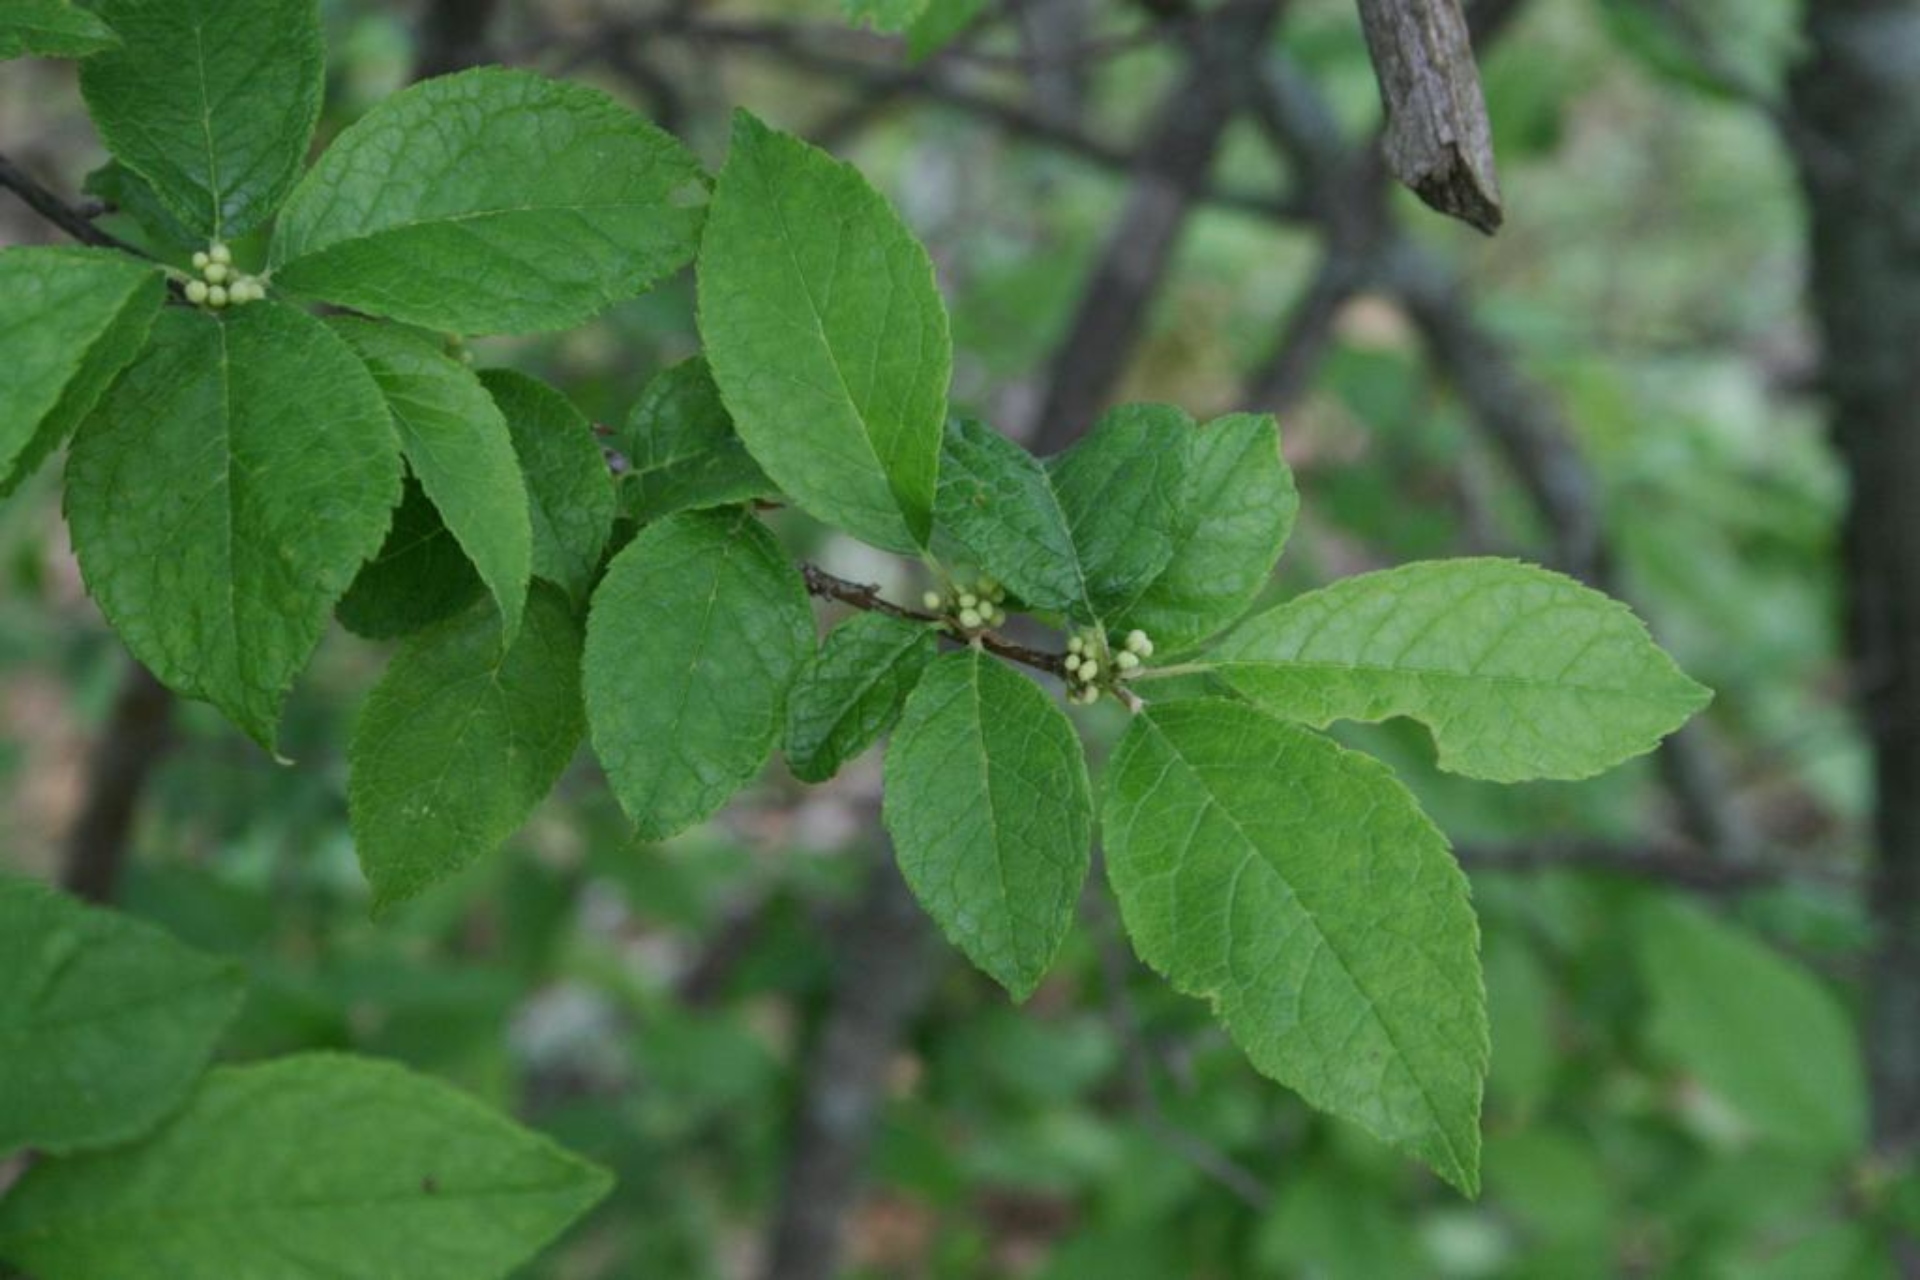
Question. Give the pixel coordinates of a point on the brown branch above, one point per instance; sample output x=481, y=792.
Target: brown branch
x=797, y=45
x=1439, y=142
x=57, y=211
x=133, y=741
x=888, y=958
x=867, y=596
x=1677, y=867
x=1168, y=176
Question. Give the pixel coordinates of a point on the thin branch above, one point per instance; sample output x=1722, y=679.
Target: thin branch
x=862, y=595
x=1676, y=867
x=57, y=211
x=1168, y=176
x=132, y=742
x=796, y=46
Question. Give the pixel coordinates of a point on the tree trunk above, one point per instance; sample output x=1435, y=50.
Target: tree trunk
x=1854, y=97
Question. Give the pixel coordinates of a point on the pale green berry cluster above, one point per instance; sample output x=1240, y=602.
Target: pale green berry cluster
x=975, y=608
x=1091, y=660
x=220, y=285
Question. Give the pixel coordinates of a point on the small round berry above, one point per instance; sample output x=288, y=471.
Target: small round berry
x=196, y=291
x=1073, y=662
x=1126, y=660
x=216, y=296
x=932, y=600
x=968, y=600
x=200, y=260
x=970, y=619
x=1089, y=671
x=215, y=273
x=998, y=617
x=1076, y=645
x=1137, y=641
x=219, y=253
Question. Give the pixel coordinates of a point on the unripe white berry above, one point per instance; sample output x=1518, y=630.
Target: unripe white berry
x=216, y=296
x=215, y=272
x=1073, y=662
x=219, y=253
x=969, y=618
x=200, y=261
x=1137, y=641
x=932, y=600
x=196, y=291
x=998, y=617
x=1126, y=660
x=968, y=600
x=1089, y=671
x=1076, y=645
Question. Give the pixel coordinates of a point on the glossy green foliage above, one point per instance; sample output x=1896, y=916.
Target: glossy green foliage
x=1235, y=517
x=682, y=451
x=1297, y=887
x=491, y=201
x=1519, y=672
x=211, y=101
x=458, y=447
x=570, y=496
x=461, y=739
x=418, y=576
x=998, y=503
x=826, y=335
x=223, y=496
x=51, y=29
x=74, y=318
x=851, y=691
x=695, y=634
x=104, y=1021
x=317, y=1166
x=991, y=814
x=1124, y=491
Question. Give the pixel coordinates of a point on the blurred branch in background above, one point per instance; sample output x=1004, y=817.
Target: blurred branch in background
x=131, y=743
x=886, y=960
x=1854, y=94
x=1172, y=165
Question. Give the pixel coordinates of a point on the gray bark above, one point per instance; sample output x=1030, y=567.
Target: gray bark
x=1855, y=96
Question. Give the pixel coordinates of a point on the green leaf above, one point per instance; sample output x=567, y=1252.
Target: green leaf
x=462, y=737
x=224, y=493
x=569, y=490
x=998, y=503
x=1237, y=514
x=51, y=29
x=211, y=101
x=1755, y=1029
x=826, y=335
x=74, y=319
x=991, y=815
x=851, y=691
x=1519, y=673
x=105, y=1022
x=1124, y=490
x=312, y=1167
x=134, y=197
x=418, y=577
x=491, y=201
x=458, y=447
x=682, y=451
x=1298, y=888
x=695, y=634
x=939, y=25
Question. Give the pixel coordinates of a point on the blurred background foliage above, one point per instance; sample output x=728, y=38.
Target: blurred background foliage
x=1677, y=1087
